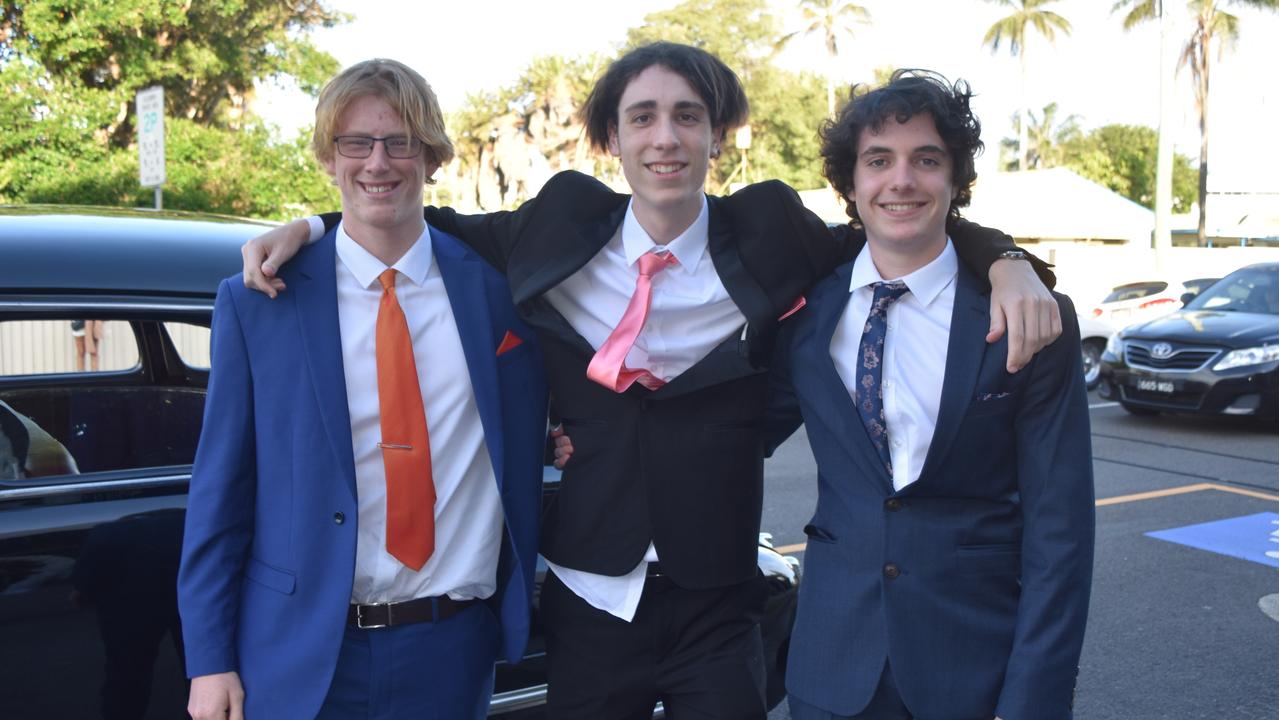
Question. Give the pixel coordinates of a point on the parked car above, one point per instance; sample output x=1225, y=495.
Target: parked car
x=1218, y=355
x=1137, y=301
x=94, y=464
x=1093, y=336
x=1124, y=305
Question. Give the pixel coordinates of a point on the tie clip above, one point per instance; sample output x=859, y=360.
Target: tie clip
x=394, y=446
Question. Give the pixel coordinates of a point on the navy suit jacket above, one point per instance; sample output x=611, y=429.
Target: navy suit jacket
x=972, y=581
x=268, y=557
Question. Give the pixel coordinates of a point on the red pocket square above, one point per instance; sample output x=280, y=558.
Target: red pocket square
x=801, y=302
x=509, y=343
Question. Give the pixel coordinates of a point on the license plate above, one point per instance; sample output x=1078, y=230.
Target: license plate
x=1159, y=386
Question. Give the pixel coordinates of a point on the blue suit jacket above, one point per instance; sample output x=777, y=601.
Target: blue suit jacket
x=267, y=566
x=993, y=543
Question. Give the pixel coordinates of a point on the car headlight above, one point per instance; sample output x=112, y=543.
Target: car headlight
x=1115, y=346
x=1248, y=356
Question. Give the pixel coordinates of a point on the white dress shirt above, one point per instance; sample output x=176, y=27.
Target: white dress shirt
x=468, y=508
x=914, y=360
x=690, y=314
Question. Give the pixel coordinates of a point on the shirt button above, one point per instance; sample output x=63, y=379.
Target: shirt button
x=891, y=571
x=897, y=444
x=339, y=518
x=888, y=384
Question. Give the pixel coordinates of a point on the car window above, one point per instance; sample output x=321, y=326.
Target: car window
x=58, y=422
x=1253, y=290
x=191, y=342
x=1134, y=291
x=1198, y=285
x=45, y=347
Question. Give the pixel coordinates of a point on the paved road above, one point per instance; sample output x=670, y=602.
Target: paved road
x=1175, y=631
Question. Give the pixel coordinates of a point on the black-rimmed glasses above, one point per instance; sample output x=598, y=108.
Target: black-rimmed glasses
x=361, y=146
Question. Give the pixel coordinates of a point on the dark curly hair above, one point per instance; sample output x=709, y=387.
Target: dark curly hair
x=907, y=94
x=714, y=81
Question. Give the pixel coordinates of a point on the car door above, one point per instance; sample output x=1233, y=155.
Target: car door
x=94, y=466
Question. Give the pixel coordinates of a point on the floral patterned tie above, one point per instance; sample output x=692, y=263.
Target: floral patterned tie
x=870, y=388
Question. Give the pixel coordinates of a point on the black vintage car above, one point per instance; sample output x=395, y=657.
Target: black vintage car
x=104, y=318
x=1219, y=355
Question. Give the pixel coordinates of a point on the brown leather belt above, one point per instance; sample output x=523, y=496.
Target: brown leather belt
x=426, y=609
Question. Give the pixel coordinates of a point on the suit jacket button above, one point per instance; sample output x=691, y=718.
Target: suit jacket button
x=891, y=571
x=893, y=505
x=339, y=518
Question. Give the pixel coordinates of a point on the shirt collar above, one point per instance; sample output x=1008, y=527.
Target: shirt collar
x=689, y=248
x=414, y=264
x=925, y=283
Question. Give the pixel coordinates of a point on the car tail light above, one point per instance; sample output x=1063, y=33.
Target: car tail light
x=1155, y=303
x=1096, y=312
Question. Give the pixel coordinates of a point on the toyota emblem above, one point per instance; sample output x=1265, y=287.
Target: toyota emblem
x=1161, y=351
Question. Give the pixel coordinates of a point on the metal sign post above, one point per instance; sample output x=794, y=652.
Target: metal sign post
x=150, y=107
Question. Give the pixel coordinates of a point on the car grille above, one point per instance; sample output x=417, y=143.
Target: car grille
x=1181, y=357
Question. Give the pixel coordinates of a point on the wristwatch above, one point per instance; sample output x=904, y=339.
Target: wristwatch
x=1013, y=255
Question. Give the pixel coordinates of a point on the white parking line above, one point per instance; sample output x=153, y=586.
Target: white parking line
x=1103, y=405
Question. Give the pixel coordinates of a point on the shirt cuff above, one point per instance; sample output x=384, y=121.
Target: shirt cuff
x=317, y=228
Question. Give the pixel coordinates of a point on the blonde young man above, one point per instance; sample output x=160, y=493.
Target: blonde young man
x=360, y=539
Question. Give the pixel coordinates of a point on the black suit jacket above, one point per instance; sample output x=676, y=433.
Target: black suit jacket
x=681, y=466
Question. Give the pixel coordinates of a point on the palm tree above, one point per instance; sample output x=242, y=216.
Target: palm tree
x=1013, y=29
x=1211, y=23
x=1047, y=138
x=830, y=18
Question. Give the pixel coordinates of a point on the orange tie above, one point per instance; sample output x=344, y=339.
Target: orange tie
x=406, y=449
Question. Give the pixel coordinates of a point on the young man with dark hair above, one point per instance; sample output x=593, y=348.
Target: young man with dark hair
x=657, y=312
x=949, y=558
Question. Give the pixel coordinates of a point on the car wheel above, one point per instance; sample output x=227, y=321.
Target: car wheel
x=1092, y=363
x=1138, y=410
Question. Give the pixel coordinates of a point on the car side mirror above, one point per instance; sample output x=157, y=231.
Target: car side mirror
x=1186, y=298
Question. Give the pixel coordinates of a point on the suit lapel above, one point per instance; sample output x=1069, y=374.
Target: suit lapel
x=830, y=299
x=742, y=287
x=315, y=299
x=464, y=282
x=562, y=247
x=731, y=359
x=970, y=321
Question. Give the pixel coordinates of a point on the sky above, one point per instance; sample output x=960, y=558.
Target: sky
x=1099, y=72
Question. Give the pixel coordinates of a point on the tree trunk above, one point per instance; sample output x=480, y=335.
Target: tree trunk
x=1202, y=92
x=1023, y=129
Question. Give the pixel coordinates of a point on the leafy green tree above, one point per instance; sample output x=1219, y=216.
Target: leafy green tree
x=1122, y=157
x=1013, y=28
x=1212, y=25
x=206, y=55
x=70, y=70
x=830, y=19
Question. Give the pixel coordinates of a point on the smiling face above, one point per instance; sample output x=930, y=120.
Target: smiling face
x=381, y=195
x=903, y=189
x=665, y=140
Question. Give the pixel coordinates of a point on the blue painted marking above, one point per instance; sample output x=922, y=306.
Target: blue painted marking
x=1252, y=537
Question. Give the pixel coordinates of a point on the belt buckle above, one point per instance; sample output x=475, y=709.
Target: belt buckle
x=359, y=618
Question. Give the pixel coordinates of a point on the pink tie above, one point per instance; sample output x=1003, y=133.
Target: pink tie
x=608, y=366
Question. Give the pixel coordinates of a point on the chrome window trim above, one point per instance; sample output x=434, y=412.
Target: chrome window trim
x=71, y=488
x=64, y=303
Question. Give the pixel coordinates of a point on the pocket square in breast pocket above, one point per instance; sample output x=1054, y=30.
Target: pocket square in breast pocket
x=987, y=397
x=509, y=342
x=800, y=303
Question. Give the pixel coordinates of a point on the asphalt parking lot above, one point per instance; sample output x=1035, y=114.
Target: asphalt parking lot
x=1184, y=621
